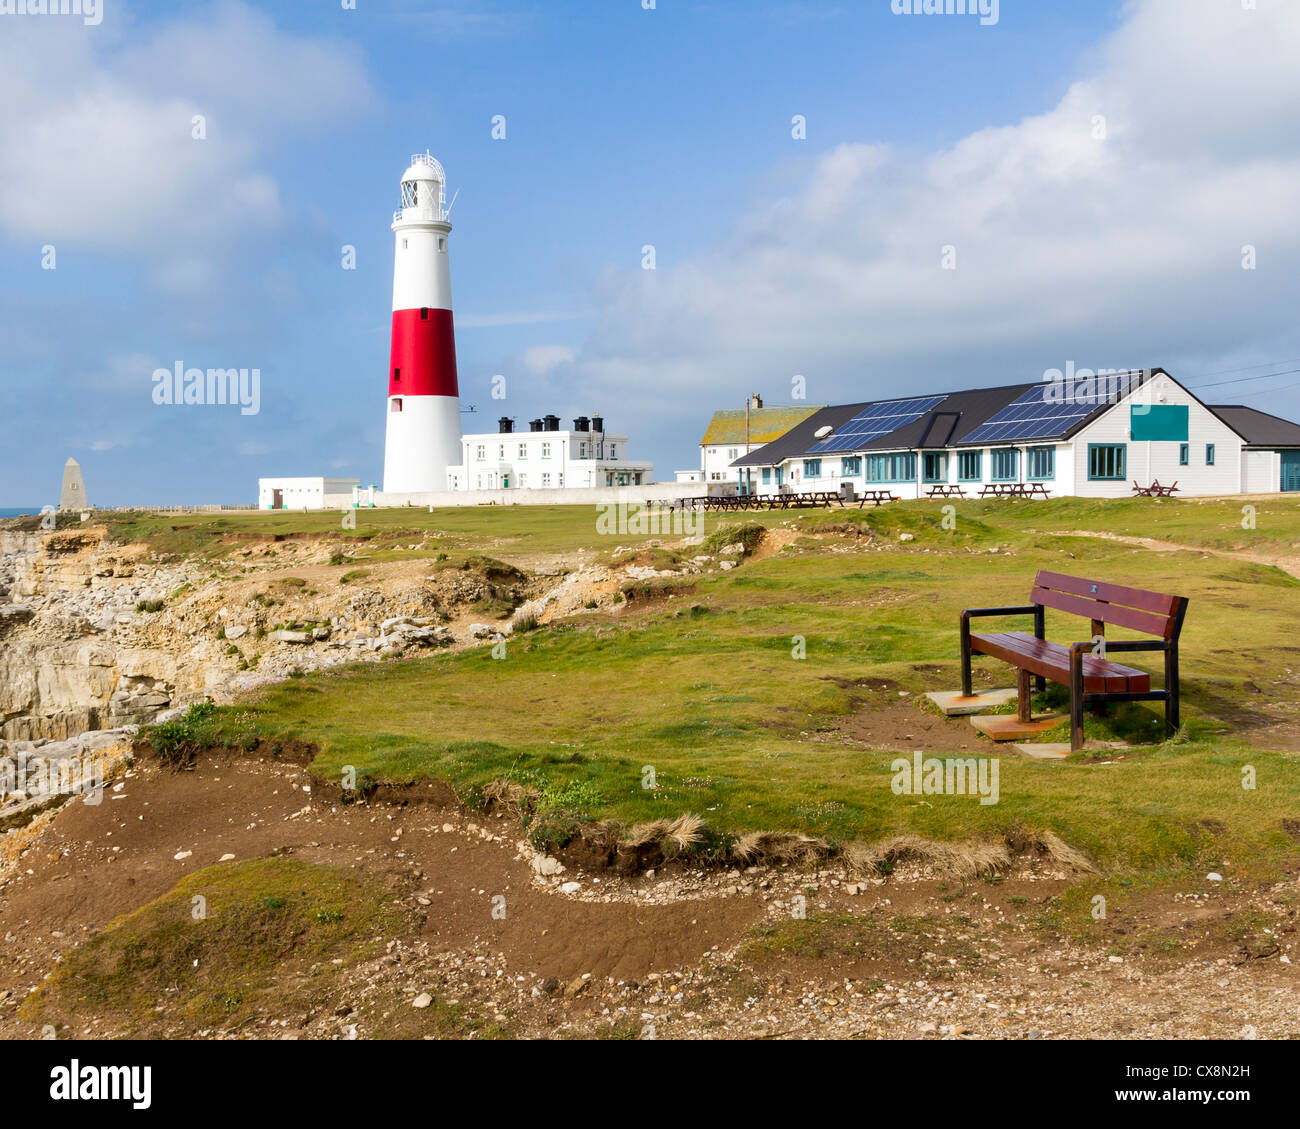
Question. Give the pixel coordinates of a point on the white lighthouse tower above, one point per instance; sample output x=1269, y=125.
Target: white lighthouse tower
x=423, y=435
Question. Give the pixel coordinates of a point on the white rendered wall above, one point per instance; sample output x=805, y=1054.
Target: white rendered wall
x=421, y=274
x=420, y=441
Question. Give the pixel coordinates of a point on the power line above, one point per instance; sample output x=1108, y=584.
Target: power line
x=1245, y=379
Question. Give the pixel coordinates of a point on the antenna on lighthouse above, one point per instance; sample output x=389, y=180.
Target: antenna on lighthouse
x=447, y=213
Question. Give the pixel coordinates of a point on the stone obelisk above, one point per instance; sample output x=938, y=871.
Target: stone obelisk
x=73, y=496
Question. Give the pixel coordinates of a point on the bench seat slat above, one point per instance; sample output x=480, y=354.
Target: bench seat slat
x=1051, y=660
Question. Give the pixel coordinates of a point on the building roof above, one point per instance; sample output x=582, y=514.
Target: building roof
x=1012, y=413
x=799, y=438
x=765, y=424
x=1258, y=429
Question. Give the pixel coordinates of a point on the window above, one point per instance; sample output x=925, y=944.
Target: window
x=734, y=453
x=480, y=452
x=970, y=466
x=812, y=468
x=501, y=452
x=405, y=244
x=546, y=450
x=546, y=480
x=1209, y=454
x=442, y=243
x=1184, y=454
x=397, y=374
x=1006, y=464
x=582, y=450
x=560, y=479
x=891, y=468
x=851, y=466
x=1041, y=463
x=523, y=450
x=1106, y=461
x=767, y=476
x=396, y=404
x=424, y=313
x=934, y=466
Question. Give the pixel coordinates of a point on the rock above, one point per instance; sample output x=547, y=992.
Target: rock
x=575, y=986
x=423, y=1000
x=906, y=537
x=483, y=631
x=570, y=888
x=547, y=866
x=179, y=855
x=550, y=985
x=320, y=634
x=236, y=632
x=1214, y=877
x=290, y=636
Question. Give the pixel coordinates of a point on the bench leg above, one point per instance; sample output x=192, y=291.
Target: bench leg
x=1171, y=688
x=1023, y=711
x=1040, y=632
x=1076, y=701
x=965, y=658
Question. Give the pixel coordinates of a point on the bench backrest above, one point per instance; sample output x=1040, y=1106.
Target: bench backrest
x=1151, y=612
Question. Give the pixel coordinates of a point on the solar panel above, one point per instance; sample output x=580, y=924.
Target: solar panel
x=874, y=421
x=1049, y=410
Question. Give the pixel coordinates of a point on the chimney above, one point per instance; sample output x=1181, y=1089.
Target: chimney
x=505, y=425
x=582, y=423
x=597, y=423
x=552, y=423
x=534, y=425
x=756, y=401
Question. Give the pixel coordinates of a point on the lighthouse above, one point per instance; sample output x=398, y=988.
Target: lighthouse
x=423, y=434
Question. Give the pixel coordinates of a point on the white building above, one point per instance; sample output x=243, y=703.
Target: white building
x=547, y=458
x=735, y=432
x=305, y=493
x=1093, y=437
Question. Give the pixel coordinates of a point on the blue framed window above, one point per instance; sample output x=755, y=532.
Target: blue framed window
x=899, y=467
x=1184, y=454
x=767, y=476
x=1006, y=464
x=1209, y=454
x=934, y=466
x=812, y=468
x=1041, y=463
x=851, y=466
x=970, y=466
x=1106, y=461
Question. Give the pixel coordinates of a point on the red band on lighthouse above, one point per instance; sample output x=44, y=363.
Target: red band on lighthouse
x=423, y=357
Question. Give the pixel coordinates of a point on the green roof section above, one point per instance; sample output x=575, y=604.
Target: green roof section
x=765, y=424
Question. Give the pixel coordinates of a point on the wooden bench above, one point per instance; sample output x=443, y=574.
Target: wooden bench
x=879, y=497
x=1084, y=667
x=1155, y=490
x=942, y=491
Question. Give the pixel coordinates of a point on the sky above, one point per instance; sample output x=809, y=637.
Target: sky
x=878, y=203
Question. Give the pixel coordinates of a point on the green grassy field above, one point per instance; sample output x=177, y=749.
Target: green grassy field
x=706, y=690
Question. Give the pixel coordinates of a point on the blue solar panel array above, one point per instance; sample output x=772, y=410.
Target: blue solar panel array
x=1048, y=411
x=873, y=422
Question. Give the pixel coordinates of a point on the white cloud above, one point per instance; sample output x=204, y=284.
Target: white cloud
x=537, y=360
x=96, y=139
x=1115, y=252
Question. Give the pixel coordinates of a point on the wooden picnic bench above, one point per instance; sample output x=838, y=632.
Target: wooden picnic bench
x=1015, y=490
x=1084, y=667
x=879, y=497
x=1155, y=490
x=949, y=491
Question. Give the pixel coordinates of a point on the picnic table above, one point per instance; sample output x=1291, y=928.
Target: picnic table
x=1015, y=490
x=879, y=497
x=1155, y=490
x=942, y=491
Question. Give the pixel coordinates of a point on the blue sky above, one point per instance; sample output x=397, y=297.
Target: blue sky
x=775, y=257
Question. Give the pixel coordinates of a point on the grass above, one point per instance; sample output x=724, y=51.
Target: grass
x=265, y=943
x=741, y=731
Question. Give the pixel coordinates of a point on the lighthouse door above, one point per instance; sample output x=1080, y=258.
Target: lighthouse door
x=277, y=499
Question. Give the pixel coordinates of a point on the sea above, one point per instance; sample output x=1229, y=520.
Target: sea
x=18, y=511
